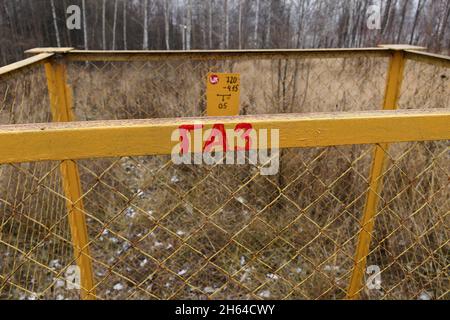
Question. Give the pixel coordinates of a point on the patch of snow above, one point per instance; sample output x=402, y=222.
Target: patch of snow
x=100, y=273
x=55, y=264
x=182, y=272
x=59, y=297
x=140, y=193
x=298, y=270
x=242, y=260
x=265, y=294
x=425, y=295
x=241, y=199
x=181, y=233
x=174, y=179
x=59, y=283
x=32, y=297
x=118, y=286
x=209, y=290
x=130, y=212
x=272, y=276
x=169, y=246
x=143, y=262
x=158, y=244
x=105, y=232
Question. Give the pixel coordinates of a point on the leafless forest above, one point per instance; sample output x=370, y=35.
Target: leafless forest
x=220, y=24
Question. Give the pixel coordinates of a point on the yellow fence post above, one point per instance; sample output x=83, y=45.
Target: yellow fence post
x=61, y=109
x=392, y=92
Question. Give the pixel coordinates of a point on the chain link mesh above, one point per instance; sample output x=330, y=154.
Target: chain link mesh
x=267, y=86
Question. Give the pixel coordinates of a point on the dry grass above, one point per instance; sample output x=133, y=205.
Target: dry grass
x=197, y=232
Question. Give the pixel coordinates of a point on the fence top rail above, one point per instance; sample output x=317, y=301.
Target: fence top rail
x=427, y=57
x=102, y=139
x=26, y=63
x=221, y=54
x=72, y=54
x=139, y=55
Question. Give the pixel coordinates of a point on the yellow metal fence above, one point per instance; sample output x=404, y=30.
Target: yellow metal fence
x=141, y=227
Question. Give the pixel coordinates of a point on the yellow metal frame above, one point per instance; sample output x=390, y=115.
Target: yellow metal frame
x=367, y=224
x=61, y=109
x=115, y=138
x=67, y=140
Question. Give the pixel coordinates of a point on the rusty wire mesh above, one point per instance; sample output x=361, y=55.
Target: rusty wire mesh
x=164, y=231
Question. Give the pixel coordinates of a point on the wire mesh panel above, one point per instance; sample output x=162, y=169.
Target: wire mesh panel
x=425, y=86
x=168, y=87
x=410, y=243
x=24, y=96
x=35, y=243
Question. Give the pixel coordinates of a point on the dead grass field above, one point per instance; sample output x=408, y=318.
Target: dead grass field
x=198, y=232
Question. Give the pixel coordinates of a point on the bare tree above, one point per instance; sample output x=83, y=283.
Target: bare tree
x=83, y=3
x=125, y=25
x=268, y=26
x=210, y=26
x=104, y=25
x=419, y=8
x=145, y=40
x=189, y=25
x=114, y=25
x=55, y=23
x=226, y=34
x=166, y=23
x=255, y=33
x=240, y=24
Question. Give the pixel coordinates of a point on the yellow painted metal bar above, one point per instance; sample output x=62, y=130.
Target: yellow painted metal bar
x=115, y=138
x=393, y=85
x=141, y=55
x=429, y=58
x=23, y=64
x=61, y=108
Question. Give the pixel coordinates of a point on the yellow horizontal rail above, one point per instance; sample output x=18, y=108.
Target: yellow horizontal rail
x=92, y=139
x=426, y=57
x=143, y=55
x=29, y=62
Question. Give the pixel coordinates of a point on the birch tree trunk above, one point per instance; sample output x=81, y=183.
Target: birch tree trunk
x=114, y=26
x=125, y=25
x=255, y=33
x=210, y=26
x=145, y=40
x=104, y=25
x=226, y=34
x=189, y=25
x=416, y=19
x=55, y=23
x=240, y=24
x=269, y=21
x=83, y=3
x=166, y=23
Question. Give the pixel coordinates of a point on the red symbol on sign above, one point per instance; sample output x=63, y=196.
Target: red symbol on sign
x=214, y=79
